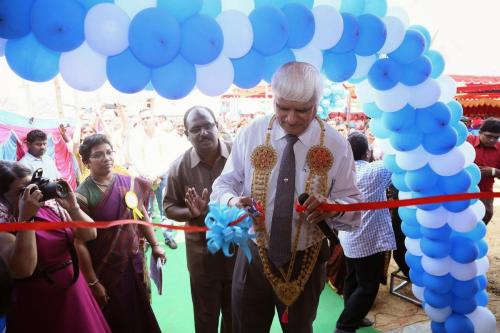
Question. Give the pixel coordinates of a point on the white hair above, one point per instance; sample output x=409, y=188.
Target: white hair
x=298, y=82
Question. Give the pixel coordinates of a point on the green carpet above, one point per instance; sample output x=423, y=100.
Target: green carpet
x=174, y=312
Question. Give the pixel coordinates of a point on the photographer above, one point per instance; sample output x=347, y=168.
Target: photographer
x=47, y=287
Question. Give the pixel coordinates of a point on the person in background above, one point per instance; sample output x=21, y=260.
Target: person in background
x=36, y=157
x=487, y=149
x=48, y=295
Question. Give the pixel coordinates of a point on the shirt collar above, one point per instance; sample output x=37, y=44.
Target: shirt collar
x=35, y=158
x=279, y=133
x=477, y=143
x=195, y=158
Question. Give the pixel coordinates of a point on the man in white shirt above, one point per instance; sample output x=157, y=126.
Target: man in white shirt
x=292, y=149
x=36, y=158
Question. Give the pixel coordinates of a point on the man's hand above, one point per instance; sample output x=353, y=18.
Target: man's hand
x=196, y=204
x=240, y=202
x=158, y=253
x=312, y=214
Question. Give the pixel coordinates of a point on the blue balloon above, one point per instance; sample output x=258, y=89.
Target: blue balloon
x=410, y=229
x=15, y=18
x=474, y=173
x=301, y=25
x=339, y=67
x=430, y=193
x=437, y=61
x=433, y=118
x=414, y=262
x=31, y=60
x=462, y=132
x=458, y=323
x=276, y=3
x=437, y=234
x=482, y=281
x=463, y=305
x=408, y=214
x=202, y=39
x=407, y=139
x=249, y=69
x=154, y=37
x=482, y=298
x=58, y=24
x=372, y=34
x=434, y=248
x=411, y=48
x=457, y=111
x=439, y=284
x=482, y=247
x=181, y=9
x=384, y=74
x=477, y=233
x=458, y=183
x=376, y=7
x=465, y=289
x=353, y=7
x=422, y=179
x=211, y=8
x=424, y=32
x=270, y=29
x=378, y=129
x=275, y=61
x=456, y=206
x=463, y=250
x=391, y=164
x=399, y=120
x=416, y=278
x=398, y=180
x=175, y=80
x=350, y=35
x=440, y=142
x=416, y=72
x=126, y=73
x=372, y=111
x=436, y=299
x=437, y=327
x=87, y=4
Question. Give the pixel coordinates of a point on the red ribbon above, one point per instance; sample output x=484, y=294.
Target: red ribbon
x=20, y=226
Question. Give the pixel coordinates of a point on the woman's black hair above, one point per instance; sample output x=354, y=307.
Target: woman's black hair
x=91, y=142
x=9, y=173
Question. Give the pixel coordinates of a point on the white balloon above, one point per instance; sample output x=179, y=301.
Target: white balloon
x=215, y=78
x=425, y=94
x=438, y=267
x=394, y=99
x=482, y=265
x=413, y=159
x=363, y=66
x=365, y=92
x=244, y=6
x=432, y=218
x=448, y=164
x=83, y=68
x=418, y=292
x=309, y=54
x=395, y=34
x=328, y=27
x=479, y=210
x=237, y=31
x=463, y=272
x=404, y=195
x=134, y=7
x=448, y=88
x=385, y=145
x=463, y=221
x=413, y=246
x=400, y=13
x=469, y=153
x=483, y=320
x=437, y=315
x=106, y=29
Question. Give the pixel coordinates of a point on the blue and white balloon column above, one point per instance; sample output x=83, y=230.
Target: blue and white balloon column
x=177, y=45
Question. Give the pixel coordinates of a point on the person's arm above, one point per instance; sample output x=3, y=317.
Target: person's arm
x=174, y=205
x=487, y=172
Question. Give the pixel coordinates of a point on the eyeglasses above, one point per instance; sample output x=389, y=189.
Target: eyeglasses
x=100, y=155
x=491, y=136
x=197, y=129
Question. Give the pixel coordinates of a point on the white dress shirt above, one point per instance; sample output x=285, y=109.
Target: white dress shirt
x=45, y=162
x=236, y=178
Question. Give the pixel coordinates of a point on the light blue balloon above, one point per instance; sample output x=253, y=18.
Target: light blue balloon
x=407, y=139
x=437, y=300
x=384, y=74
x=31, y=60
x=423, y=30
x=87, y=4
x=350, y=35
x=398, y=180
x=149, y=87
x=58, y=24
x=416, y=72
x=473, y=189
x=378, y=129
x=308, y=3
x=437, y=234
x=477, y=233
x=181, y=9
x=411, y=230
x=249, y=69
x=301, y=25
x=154, y=37
x=458, y=183
x=437, y=61
x=270, y=29
x=391, y=164
x=457, y=111
x=372, y=111
x=273, y=62
x=15, y=18
x=408, y=215
x=399, y=120
x=462, y=132
x=202, y=39
x=126, y=73
x=376, y=7
x=372, y=34
x=463, y=250
x=435, y=248
x=474, y=173
x=211, y=8
x=339, y=67
x=275, y=3
x=465, y=289
x=463, y=305
x=175, y=80
x=354, y=7
x=411, y=48
x=442, y=284
x=422, y=179
x=433, y=118
x=440, y=142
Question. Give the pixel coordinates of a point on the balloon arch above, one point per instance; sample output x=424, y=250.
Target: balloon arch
x=176, y=45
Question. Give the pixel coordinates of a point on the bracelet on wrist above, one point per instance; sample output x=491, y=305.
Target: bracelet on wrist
x=92, y=284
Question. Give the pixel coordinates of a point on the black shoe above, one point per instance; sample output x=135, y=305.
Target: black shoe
x=366, y=322
x=171, y=244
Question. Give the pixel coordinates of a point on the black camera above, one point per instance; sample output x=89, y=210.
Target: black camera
x=50, y=189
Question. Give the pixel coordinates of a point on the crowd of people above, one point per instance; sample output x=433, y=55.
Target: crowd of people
x=88, y=280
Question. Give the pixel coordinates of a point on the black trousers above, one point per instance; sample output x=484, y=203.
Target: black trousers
x=360, y=289
x=255, y=303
